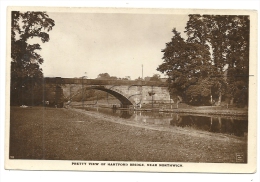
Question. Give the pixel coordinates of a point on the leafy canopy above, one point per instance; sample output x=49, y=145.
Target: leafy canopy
x=212, y=62
x=26, y=61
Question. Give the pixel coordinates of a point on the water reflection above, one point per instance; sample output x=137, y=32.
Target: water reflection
x=216, y=124
x=213, y=124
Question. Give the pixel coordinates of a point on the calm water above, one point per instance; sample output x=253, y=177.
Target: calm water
x=216, y=124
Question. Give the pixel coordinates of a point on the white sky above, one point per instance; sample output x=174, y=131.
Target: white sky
x=117, y=44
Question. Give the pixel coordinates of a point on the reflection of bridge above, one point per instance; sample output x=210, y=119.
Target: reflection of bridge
x=126, y=91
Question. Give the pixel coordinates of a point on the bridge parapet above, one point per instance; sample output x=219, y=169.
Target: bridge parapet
x=59, y=80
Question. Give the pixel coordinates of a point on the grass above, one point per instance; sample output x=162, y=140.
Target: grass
x=64, y=134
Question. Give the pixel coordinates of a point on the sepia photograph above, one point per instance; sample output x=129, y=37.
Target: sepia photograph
x=117, y=89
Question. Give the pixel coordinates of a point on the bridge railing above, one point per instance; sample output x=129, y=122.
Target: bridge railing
x=59, y=80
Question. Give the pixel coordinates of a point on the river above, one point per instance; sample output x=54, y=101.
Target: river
x=217, y=124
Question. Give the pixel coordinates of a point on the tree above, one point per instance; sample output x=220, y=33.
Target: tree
x=208, y=31
x=238, y=60
x=138, y=79
x=156, y=77
x=184, y=64
x=113, y=78
x=213, y=63
x=126, y=78
x=106, y=76
x=26, y=74
x=103, y=76
x=228, y=39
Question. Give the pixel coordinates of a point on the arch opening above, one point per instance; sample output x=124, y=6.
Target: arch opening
x=123, y=99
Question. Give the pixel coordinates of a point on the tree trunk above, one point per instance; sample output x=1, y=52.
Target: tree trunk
x=220, y=123
x=179, y=99
x=232, y=101
x=211, y=122
x=219, y=99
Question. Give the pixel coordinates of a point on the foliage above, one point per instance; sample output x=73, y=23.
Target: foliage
x=92, y=95
x=26, y=74
x=103, y=76
x=139, y=79
x=184, y=63
x=106, y=76
x=212, y=63
x=126, y=78
x=156, y=77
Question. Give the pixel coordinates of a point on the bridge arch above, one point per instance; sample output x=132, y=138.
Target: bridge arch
x=122, y=97
x=126, y=101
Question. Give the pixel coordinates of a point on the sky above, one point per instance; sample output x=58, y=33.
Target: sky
x=87, y=44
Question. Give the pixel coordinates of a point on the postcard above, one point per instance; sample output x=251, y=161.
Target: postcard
x=131, y=89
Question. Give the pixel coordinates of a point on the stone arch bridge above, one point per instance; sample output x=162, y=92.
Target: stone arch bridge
x=59, y=90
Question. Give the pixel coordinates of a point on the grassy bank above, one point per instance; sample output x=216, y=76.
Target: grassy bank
x=38, y=133
x=209, y=110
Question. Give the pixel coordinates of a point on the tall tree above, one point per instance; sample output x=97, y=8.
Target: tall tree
x=228, y=40
x=25, y=64
x=206, y=31
x=184, y=63
x=238, y=59
x=212, y=62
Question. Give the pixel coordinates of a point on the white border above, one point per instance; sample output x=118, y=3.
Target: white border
x=138, y=176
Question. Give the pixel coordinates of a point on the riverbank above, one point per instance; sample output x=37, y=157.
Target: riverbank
x=212, y=110
x=183, y=108
x=72, y=134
